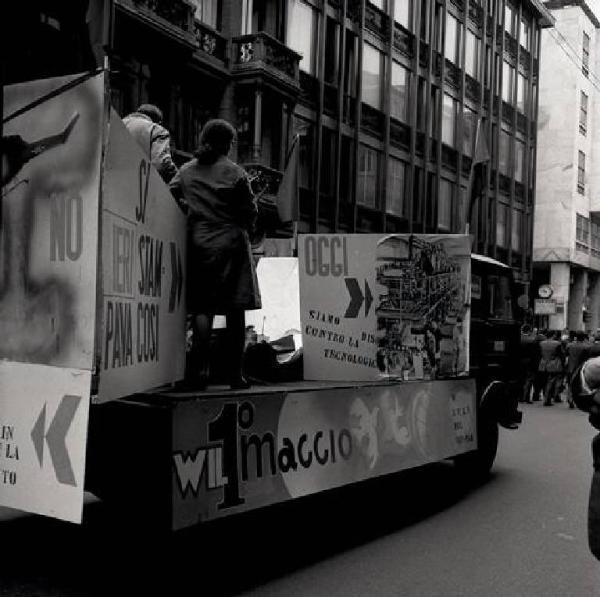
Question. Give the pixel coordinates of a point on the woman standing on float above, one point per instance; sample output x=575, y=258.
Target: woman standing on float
x=221, y=276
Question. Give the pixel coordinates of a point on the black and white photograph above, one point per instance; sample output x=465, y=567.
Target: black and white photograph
x=300, y=298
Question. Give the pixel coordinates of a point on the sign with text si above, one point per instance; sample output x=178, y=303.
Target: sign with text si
x=143, y=264
x=50, y=188
x=391, y=306
x=42, y=446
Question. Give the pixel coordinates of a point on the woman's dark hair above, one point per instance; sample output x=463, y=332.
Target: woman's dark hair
x=216, y=138
x=153, y=112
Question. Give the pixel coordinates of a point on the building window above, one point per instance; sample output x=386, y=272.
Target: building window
x=585, y=57
x=521, y=93
x=469, y=129
x=380, y=4
x=306, y=147
x=399, y=95
x=449, y=120
x=501, y=213
x=403, y=13
x=331, y=47
x=207, y=12
x=583, y=110
x=581, y=173
x=582, y=233
x=368, y=176
x=451, y=47
x=472, y=55
x=444, y=207
x=371, y=92
x=509, y=19
x=504, y=153
x=508, y=74
x=302, y=33
x=519, y=159
x=525, y=34
x=394, y=203
x=516, y=230
x=595, y=230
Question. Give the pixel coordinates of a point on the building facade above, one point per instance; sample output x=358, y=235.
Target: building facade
x=566, y=245
x=386, y=95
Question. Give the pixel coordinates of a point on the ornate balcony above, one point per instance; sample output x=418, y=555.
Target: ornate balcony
x=260, y=56
x=476, y=14
x=510, y=46
x=508, y=112
x=173, y=17
x=452, y=74
x=209, y=41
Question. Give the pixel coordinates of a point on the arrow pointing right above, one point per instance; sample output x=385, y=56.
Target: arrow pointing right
x=356, y=297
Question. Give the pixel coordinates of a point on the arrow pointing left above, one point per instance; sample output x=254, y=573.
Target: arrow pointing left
x=56, y=438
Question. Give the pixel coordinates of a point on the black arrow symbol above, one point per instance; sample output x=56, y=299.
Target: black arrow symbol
x=357, y=298
x=176, y=277
x=56, y=437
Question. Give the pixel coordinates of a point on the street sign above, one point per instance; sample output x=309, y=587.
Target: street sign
x=545, y=307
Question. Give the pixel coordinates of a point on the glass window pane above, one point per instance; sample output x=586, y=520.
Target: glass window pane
x=395, y=187
x=448, y=120
x=521, y=93
x=519, y=158
x=445, y=204
x=399, y=95
x=501, y=225
x=402, y=11
x=517, y=224
x=371, y=76
x=368, y=176
x=472, y=55
x=301, y=29
x=503, y=165
x=451, y=43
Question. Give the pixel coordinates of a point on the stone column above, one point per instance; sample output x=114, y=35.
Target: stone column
x=560, y=281
x=594, y=300
x=257, y=139
x=577, y=300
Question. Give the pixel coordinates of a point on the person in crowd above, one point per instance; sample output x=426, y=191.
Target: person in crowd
x=585, y=390
x=145, y=125
x=594, y=350
x=529, y=362
x=578, y=351
x=551, y=366
x=221, y=275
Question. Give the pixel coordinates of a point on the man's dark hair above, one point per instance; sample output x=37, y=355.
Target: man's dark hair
x=153, y=112
x=580, y=335
x=526, y=328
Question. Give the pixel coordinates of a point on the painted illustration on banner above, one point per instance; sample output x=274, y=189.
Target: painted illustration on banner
x=423, y=315
x=42, y=447
x=267, y=449
x=51, y=148
x=143, y=249
x=384, y=307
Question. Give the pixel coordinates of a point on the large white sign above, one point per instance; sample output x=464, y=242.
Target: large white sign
x=43, y=430
x=142, y=337
x=384, y=306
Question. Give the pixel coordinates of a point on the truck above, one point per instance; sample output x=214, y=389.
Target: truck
x=407, y=341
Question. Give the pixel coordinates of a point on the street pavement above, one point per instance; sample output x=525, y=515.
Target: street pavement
x=420, y=533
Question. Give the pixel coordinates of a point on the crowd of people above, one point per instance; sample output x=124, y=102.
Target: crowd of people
x=548, y=360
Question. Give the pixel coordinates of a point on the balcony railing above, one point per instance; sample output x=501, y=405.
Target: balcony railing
x=399, y=133
x=452, y=74
x=508, y=112
x=404, y=41
x=309, y=88
x=372, y=119
x=510, y=46
x=476, y=14
x=261, y=51
x=175, y=17
x=377, y=21
x=472, y=88
x=209, y=41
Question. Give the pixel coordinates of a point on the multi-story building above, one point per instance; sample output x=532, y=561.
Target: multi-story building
x=566, y=244
x=386, y=95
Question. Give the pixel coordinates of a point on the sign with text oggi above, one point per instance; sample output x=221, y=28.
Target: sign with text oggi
x=384, y=306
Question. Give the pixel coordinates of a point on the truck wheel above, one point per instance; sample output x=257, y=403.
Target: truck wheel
x=477, y=464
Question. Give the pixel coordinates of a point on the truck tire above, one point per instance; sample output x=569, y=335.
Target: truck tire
x=476, y=465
